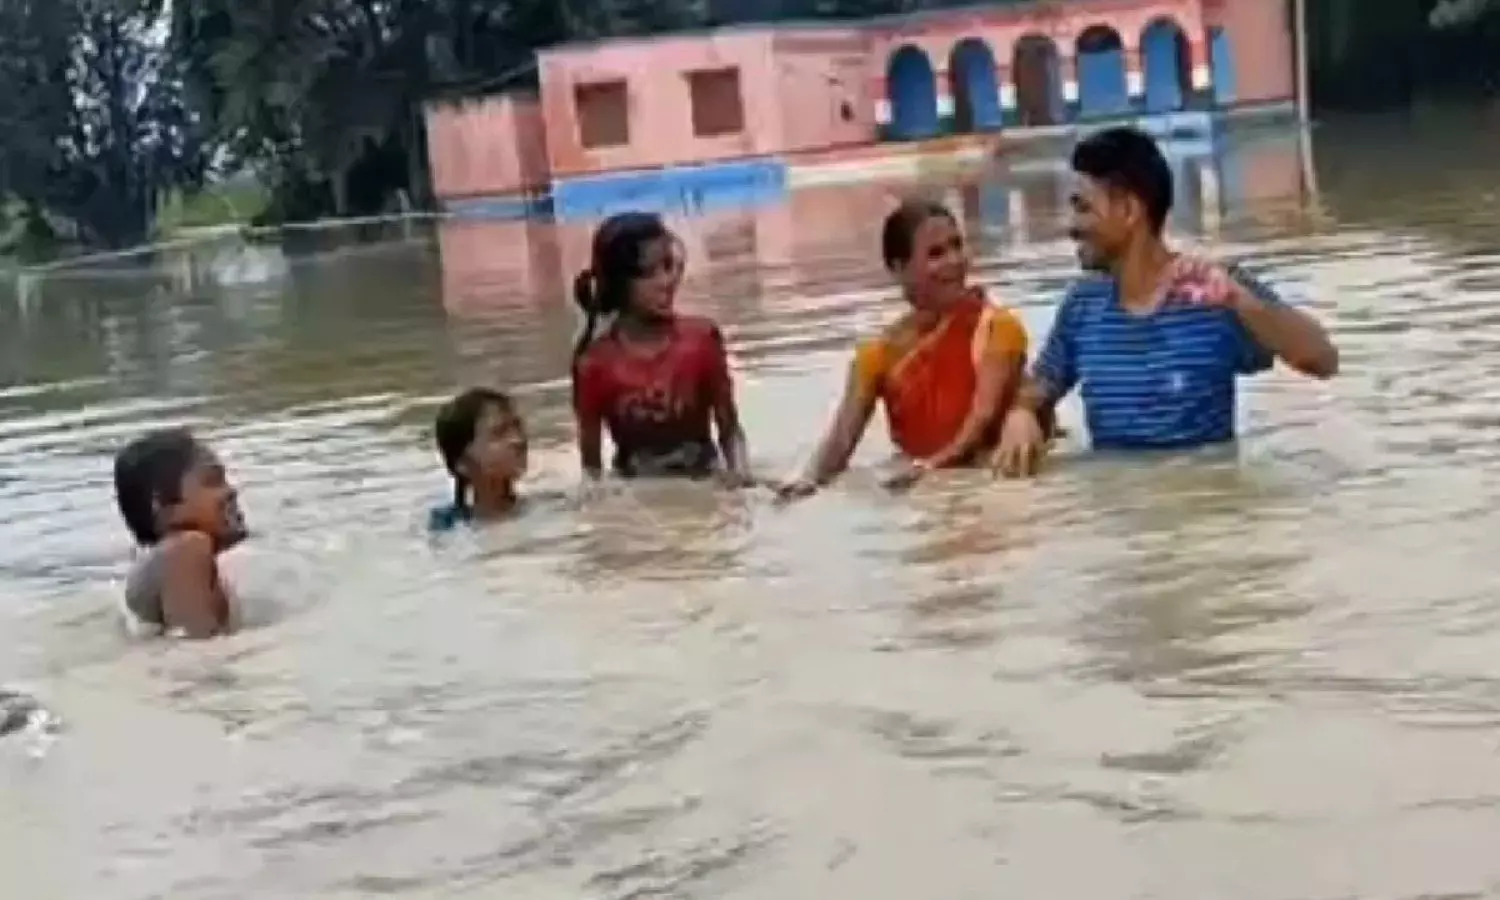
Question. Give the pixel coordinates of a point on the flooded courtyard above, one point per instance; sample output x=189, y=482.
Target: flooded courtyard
x=1275, y=675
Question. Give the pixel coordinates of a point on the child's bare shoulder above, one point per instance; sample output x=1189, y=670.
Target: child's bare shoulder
x=186, y=546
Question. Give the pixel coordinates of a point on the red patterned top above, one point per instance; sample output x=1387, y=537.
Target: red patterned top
x=658, y=404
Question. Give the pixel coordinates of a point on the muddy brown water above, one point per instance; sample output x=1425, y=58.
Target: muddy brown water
x=1273, y=674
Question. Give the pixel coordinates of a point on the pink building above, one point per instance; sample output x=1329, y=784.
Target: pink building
x=620, y=122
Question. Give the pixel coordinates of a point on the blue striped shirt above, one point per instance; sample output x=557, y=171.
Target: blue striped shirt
x=1164, y=380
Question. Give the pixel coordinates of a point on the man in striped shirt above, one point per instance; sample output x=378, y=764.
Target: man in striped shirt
x=1153, y=339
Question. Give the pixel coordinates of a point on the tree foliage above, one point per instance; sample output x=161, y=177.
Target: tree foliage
x=93, y=127
x=324, y=97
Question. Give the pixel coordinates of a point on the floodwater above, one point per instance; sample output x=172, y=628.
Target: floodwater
x=1269, y=676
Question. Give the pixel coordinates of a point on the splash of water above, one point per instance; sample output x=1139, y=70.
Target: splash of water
x=24, y=719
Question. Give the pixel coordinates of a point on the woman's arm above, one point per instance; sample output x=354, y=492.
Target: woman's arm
x=846, y=430
x=1032, y=416
x=999, y=364
x=193, y=599
x=999, y=368
x=998, y=380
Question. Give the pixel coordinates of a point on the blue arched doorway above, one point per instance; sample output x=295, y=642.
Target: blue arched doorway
x=1101, y=73
x=912, y=86
x=975, y=86
x=1037, y=68
x=1166, y=61
x=1221, y=56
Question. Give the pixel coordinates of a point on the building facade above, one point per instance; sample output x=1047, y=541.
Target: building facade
x=732, y=112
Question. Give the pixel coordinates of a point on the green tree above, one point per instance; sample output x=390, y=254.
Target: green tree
x=92, y=124
x=324, y=97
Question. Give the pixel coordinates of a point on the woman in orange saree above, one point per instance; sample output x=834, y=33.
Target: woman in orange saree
x=945, y=371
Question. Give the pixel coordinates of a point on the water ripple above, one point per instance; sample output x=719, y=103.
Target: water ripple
x=1180, y=669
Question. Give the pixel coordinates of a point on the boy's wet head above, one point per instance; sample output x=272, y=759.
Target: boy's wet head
x=168, y=481
x=482, y=441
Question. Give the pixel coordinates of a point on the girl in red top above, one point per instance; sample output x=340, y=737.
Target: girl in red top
x=657, y=380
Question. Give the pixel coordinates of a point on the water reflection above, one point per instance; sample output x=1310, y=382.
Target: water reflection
x=795, y=245
x=1157, y=621
x=1126, y=662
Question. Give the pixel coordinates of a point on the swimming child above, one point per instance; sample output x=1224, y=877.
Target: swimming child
x=659, y=381
x=179, y=505
x=482, y=440
x=945, y=371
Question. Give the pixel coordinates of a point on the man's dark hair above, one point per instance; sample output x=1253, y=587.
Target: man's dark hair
x=148, y=474
x=1127, y=159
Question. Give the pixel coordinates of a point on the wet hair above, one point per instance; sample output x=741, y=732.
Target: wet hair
x=148, y=475
x=900, y=229
x=1127, y=159
x=457, y=421
x=614, y=262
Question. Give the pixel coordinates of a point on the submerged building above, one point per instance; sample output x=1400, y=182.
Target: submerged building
x=741, y=110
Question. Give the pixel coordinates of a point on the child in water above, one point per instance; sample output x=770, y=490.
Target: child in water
x=482, y=441
x=183, y=512
x=659, y=381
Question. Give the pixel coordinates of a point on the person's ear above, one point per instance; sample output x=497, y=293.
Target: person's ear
x=162, y=512
x=1123, y=205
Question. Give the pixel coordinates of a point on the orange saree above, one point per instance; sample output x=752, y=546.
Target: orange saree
x=926, y=380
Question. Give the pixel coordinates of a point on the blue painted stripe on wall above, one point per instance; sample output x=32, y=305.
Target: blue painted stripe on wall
x=675, y=189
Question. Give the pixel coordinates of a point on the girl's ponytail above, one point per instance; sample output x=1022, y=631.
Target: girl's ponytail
x=586, y=295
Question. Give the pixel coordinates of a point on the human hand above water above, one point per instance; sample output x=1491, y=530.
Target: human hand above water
x=1023, y=444
x=911, y=472
x=1200, y=280
x=590, y=490
x=795, y=489
x=735, y=479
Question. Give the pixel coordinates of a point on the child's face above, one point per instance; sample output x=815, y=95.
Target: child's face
x=209, y=503
x=654, y=291
x=497, y=456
